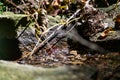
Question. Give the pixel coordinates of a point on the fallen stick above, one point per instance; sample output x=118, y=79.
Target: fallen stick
x=52, y=36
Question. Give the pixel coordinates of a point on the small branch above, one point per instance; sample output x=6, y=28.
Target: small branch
x=52, y=36
x=24, y=30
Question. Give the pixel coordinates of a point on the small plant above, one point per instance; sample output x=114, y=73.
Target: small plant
x=2, y=8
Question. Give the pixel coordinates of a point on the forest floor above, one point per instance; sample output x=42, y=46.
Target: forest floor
x=60, y=54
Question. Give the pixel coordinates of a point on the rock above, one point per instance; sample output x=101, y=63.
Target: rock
x=110, y=42
x=92, y=22
x=14, y=71
x=9, y=23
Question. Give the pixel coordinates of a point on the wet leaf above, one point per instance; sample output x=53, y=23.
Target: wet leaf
x=105, y=33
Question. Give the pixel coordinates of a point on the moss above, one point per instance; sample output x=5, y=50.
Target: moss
x=9, y=22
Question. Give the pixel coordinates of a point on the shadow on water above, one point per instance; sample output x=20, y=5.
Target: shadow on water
x=111, y=45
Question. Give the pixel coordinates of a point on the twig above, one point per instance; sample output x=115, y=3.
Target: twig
x=52, y=36
x=24, y=30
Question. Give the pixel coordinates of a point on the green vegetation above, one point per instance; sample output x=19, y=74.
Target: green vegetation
x=2, y=8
